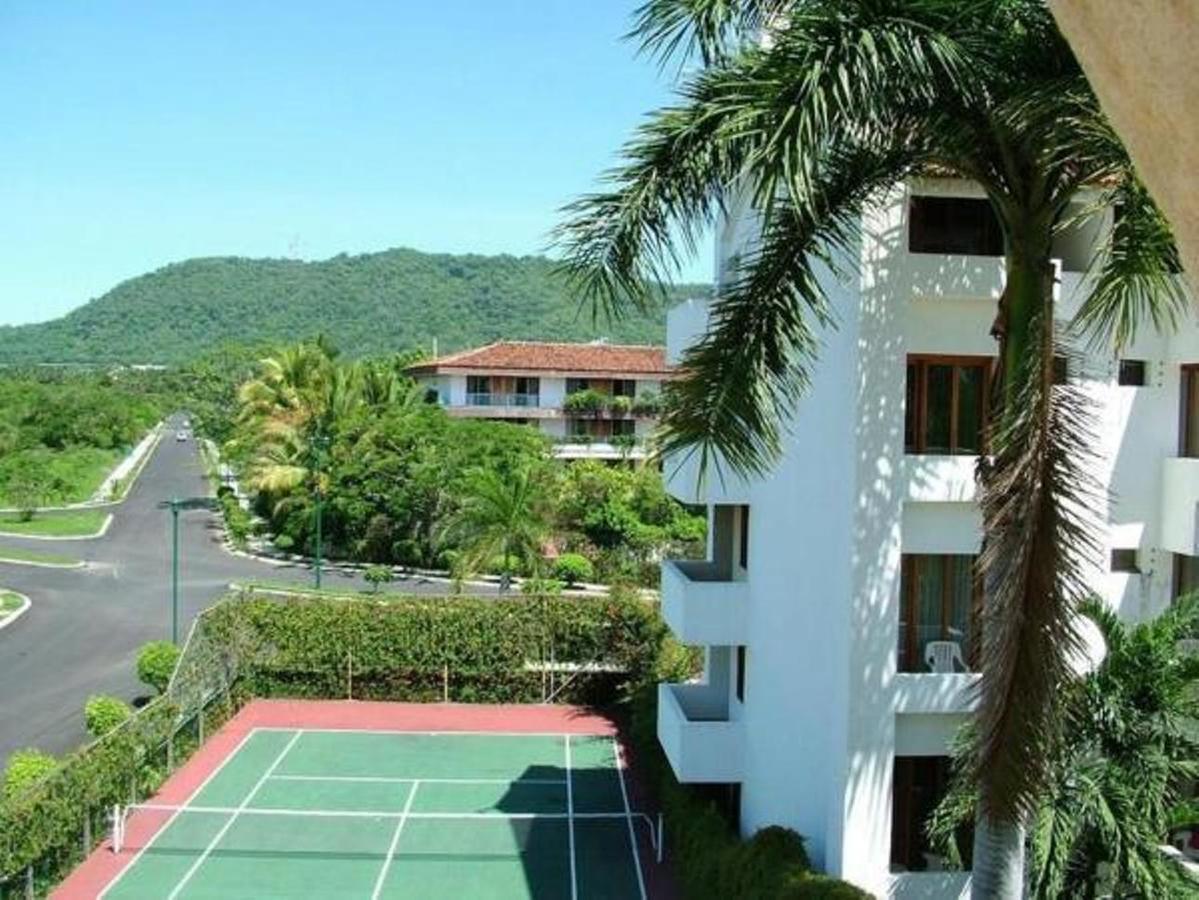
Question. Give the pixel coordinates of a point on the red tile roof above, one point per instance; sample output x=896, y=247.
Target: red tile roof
x=531, y=356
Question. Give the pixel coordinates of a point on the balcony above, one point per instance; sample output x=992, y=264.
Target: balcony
x=935, y=478
x=950, y=276
x=523, y=401
x=1180, y=505
x=929, y=886
x=700, y=741
x=702, y=605
x=586, y=448
x=718, y=486
x=935, y=694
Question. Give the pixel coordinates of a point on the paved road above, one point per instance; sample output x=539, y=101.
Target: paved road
x=82, y=633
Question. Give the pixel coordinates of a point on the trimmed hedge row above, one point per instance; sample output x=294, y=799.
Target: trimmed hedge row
x=476, y=650
x=709, y=859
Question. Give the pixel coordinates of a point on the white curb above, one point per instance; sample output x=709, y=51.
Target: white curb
x=18, y=612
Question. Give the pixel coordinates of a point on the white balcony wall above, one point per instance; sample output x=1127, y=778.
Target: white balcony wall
x=1180, y=505
x=703, y=606
x=700, y=749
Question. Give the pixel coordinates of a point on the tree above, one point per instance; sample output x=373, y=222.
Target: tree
x=25, y=767
x=842, y=100
x=377, y=576
x=27, y=486
x=502, y=516
x=102, y=713
x=1117, y=771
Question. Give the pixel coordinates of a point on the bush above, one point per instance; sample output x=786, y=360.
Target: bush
x=156, y=663
x=619, y=405
x=572, y=568
x=103, y=713
x=588, y=402
x=24, y=768
x=237, y=521
x=377, y=576
x=285, y=542
x=647, y=404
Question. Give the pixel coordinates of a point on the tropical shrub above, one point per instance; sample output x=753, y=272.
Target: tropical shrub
x=647, y=403
x=24, y=768
x=102, y=713
x=377, y=576
x=572, y=568
x=156, y=663
x=585, y=402
x=619, y=405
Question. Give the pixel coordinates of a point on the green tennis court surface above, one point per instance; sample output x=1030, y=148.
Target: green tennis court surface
x=398, y=815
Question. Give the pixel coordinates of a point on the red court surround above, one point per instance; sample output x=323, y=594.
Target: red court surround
x=102, y=866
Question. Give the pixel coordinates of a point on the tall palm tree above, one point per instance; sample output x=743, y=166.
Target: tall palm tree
x=504, y=515
x=810, y=108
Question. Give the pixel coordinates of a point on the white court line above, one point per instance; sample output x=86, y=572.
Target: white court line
x=372, y=779
x=395, y=839
x=570, y=821
x=629, y=816
x=269, y=811
x=167, y=824
x=401, y=733
x=233, y=818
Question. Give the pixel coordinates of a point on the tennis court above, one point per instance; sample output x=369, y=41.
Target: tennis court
x=311, y=812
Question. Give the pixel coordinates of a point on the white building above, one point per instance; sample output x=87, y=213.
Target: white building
x=827, y=580
x=531, y=383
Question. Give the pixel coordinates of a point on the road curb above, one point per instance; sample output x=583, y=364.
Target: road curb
x=80, y=564
x=20, y=611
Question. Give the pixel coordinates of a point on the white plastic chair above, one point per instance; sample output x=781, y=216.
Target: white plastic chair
x=944, y=657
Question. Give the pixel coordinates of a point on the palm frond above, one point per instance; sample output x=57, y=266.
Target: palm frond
x=681, y=30
x=1038, y=504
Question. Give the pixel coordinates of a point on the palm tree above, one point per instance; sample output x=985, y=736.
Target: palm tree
x=1117, y=770
x=810, y=108
x=503, y=515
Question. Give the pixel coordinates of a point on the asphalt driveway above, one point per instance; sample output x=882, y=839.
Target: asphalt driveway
x=81, y=635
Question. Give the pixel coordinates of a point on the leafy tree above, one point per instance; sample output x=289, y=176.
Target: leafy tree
x=377, y=576
x=25, y=767
x=1117, y=771
x=571, y=568
x=102, y=713
x=27, y=486
x=843, y=100
x=502, y=516
x=156, y=664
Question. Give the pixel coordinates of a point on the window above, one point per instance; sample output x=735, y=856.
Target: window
x=1188, y=440
x=1186, y=575
x=919, y=784
x=741, y=673
x=478, y=390
x=953, y=225
x=743, y=550
x=1132, y=372
x=939, y=596
x=624, y=387
x=579, y=427
x=1124, y=559
x=574, y=385
x=527, y=391
x=946, y=404
x=623, y=427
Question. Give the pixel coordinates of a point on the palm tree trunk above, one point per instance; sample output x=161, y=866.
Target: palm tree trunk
x=999, y=837
x=998, y=872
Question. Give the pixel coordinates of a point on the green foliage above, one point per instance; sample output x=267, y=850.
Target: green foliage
x=237, y=520
x=24, y=768
x=572, y=568
x=372, y=303
x=156, y=663
x=377, y=576
x=647, y=403
x=711, y=862
x=102, y=713
x=585, y=402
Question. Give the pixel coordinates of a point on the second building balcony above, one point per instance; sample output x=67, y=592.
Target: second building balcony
x=694, y=729
x=702, y=604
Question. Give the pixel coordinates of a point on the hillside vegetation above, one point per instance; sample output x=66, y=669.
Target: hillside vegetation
x=368, y=305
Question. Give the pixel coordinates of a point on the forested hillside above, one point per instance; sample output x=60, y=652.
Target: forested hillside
x=370, y=304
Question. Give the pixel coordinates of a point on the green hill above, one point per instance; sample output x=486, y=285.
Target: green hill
x=375, y=303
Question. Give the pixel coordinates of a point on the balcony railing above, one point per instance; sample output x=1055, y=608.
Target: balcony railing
x=491, y=399
x=702, y=605
x=701, y=742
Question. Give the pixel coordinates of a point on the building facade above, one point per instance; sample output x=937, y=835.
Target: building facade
x=594, y=401
x=837, y=606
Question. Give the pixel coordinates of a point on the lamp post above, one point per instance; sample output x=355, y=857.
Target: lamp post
x=175, y=505
x=320, y=444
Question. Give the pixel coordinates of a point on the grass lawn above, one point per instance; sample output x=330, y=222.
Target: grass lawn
x=58, y=523
x=20, y=554
x=9, y=604
x=76, y=473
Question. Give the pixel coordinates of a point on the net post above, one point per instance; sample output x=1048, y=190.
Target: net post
x=445, y=682
x=660, y=845
x=118, y=838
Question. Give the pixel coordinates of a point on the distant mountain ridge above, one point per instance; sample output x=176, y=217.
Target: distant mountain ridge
x=368, y=304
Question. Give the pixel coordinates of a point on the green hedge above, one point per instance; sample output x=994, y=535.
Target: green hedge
x=709, y=859
x=414, y=649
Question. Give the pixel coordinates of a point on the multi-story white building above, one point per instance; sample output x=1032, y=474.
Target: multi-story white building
x=616, y=387
x=825, y=706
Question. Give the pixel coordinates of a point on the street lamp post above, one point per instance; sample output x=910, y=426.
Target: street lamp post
x=175, y=505
x=320, y=444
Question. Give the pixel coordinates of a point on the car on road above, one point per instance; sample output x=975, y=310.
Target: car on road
x=181, y=435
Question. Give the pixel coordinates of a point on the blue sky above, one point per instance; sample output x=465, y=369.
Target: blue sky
x=139, y=133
